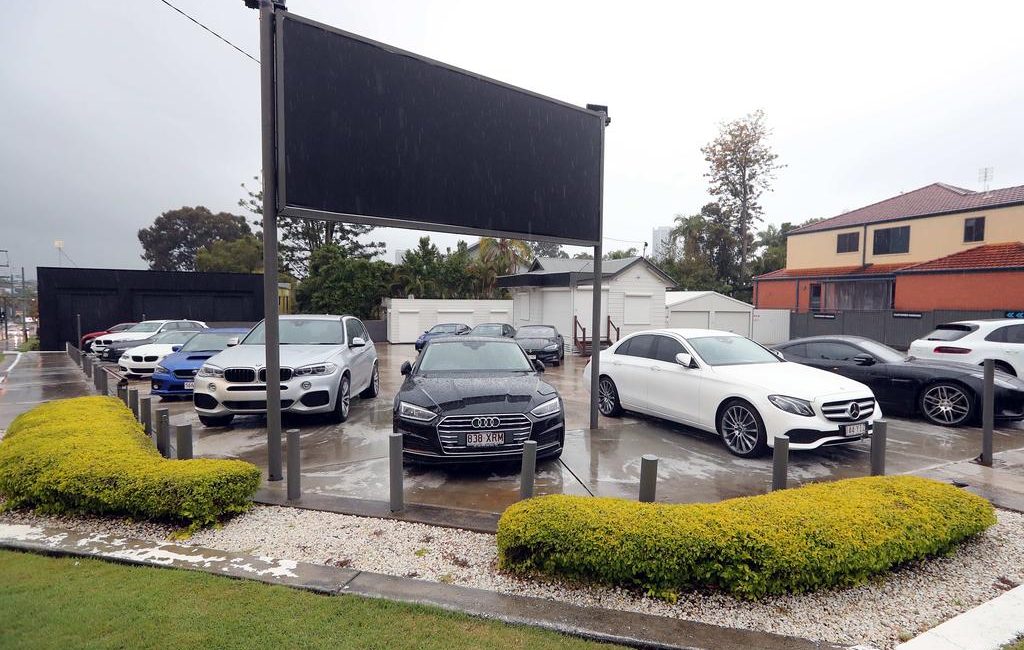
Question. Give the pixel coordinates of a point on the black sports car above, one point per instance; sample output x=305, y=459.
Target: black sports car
x=943, y=392
x=543, y=342
x=475, y=399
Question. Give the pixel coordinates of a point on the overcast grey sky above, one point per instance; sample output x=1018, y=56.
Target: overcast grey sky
x=115, y=111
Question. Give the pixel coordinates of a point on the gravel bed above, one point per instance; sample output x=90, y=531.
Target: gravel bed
x=881, y=613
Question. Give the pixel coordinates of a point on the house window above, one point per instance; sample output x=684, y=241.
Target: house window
x=889, y=241
x=974, y=229
x=815, y=297
x=848, y=242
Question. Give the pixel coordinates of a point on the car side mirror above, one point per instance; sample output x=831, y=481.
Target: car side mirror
x=357, y=342
x=864, y=360
x=233, y=341
x=406, y=368
x=538, y=365
x=175, y=348
x=684, y=359
x=777, y=353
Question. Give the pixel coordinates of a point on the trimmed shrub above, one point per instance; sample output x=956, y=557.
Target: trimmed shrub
x=797, y=540
x=89, y=455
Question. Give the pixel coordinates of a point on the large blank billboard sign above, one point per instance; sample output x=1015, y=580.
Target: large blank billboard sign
x=371, y=134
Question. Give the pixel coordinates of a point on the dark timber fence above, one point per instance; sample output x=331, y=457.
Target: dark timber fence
x=893, y=327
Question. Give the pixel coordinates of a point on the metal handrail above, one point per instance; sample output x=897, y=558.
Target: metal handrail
x=580, y=343
x=613, y=326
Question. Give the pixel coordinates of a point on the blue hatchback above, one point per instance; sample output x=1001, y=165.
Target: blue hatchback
x=175, y=374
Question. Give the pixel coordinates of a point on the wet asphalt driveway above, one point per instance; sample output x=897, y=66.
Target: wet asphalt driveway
x=350, y=459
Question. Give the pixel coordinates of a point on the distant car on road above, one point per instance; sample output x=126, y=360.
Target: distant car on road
x=142, y=359
x=86, y=342
x=441, y=329
x=324, y=359
x=944, y=393
x=543, y=342
x=470, y=399
x=497, y=330
x=727, y=384
x=175, y=375
x=144, y=330
x=973, y=341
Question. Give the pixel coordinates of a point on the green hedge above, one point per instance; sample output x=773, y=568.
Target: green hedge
x=798, y=540
x=89, y=455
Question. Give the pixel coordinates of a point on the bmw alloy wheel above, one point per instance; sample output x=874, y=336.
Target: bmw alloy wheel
x=945, y=404
x=739, y=429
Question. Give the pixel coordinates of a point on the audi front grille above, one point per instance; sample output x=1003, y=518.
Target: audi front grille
x=849, y=410
x=452, y=430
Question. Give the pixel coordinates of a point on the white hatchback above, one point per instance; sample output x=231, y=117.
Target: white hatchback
x=973, y=341
x=727, y=384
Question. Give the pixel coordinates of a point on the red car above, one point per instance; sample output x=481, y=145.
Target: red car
x=86, y=343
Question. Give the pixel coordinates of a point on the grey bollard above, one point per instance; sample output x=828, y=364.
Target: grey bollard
x=133, y=402
x=146, y=415
x=78, y=341
x=163, y=432
x=529, y=470
x=101, y=381
x=780, y=463
x=183, y=438
x=988, y=411
x=87, y=367
x=396, y=476
x=120, y=391
x=878, y=436
x=648, y=477
x=294, y=465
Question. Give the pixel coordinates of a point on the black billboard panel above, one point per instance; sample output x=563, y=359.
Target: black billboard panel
x=373, y=134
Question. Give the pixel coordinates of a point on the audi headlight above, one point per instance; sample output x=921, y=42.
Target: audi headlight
x=549, y=407
x=326, y=368
x=161, y=370
x=413, y=412
x=210, y=371
x=793, y=405
x=551, y=348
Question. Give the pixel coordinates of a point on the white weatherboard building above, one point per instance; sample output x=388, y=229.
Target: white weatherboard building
x=559, y=292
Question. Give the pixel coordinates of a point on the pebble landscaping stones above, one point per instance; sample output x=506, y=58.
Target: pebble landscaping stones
x=881, y=614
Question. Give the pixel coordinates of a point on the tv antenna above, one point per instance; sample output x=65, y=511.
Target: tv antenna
x=985, y=175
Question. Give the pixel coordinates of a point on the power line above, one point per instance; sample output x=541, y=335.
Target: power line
x=210, y=30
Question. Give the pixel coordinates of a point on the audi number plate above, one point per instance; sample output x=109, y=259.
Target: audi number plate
x=190, y=385
x=485, y=438
x=859, y=429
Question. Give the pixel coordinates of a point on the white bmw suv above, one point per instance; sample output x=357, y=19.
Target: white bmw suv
x=727, y=384
x=324, y=360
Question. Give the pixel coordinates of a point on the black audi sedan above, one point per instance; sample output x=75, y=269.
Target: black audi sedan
x=475, y=399
x=944, y=393
x=543, y=342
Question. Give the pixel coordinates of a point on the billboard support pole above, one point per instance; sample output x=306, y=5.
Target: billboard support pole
x=595, y=332
x=268, y=93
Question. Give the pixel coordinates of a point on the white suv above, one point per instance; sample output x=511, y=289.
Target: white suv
x=973, y=341
x=324, y=360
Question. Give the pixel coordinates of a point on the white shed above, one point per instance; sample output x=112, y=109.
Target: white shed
x=407, y=318
x=708, y=310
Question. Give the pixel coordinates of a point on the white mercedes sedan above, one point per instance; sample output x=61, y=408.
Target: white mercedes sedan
x=727, y=384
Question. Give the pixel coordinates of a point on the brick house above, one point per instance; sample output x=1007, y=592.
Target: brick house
x=937, y=247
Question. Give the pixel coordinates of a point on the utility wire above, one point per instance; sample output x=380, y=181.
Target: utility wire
x=68, y=257
x=210, y=30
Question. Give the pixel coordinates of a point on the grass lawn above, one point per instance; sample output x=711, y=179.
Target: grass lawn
x=65, y=602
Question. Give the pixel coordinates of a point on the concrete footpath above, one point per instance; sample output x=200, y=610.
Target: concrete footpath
x=989, y=626
x=627, y=628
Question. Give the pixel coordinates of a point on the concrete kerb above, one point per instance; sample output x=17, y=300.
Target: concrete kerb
x=627, y=628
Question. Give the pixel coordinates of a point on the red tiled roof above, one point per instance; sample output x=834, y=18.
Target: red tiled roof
x=990, y=256
x=832, y=271
x=937, y=198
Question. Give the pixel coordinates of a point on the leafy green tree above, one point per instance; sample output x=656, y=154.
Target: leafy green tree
x=455, y=276
x=621, y=254
x=174, y=239
x=243, y=255
x=419, y=272
x=339, y=283
x=706, y=260
x=300, y=238
x=742, y=168
x=547, y=249
x=583, y=256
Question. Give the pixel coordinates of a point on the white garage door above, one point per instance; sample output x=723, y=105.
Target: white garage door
x=697, y=319
x=737, y=322
x=408, y=325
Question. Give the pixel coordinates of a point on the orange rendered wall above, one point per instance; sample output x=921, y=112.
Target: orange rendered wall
x=778, y=294
x=928, y=291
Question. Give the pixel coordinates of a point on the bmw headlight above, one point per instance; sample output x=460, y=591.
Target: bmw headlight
x=210, y=371
x=793, y=405
x=161, y=370
x=549, y=407
x=326, y=368
x=412, y=412
x=124, y=357
x=551, y=348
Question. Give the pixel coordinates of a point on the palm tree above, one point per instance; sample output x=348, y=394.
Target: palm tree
x=505, y=255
